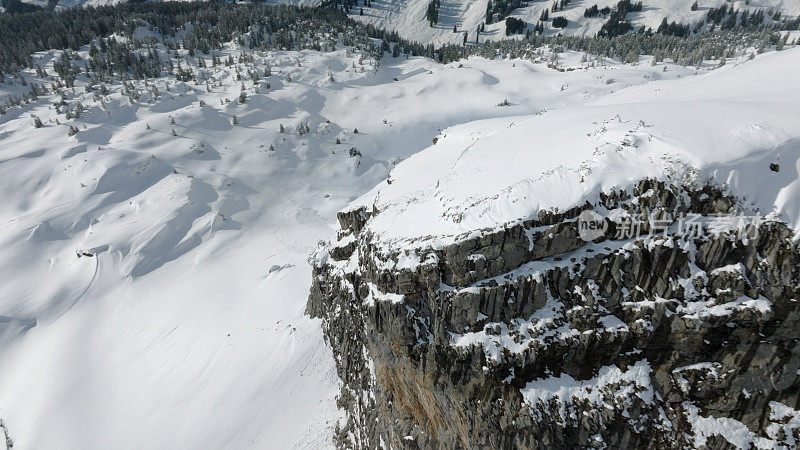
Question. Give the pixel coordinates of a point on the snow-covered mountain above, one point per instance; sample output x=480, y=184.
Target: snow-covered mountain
x=154, y=262
x=156, y=231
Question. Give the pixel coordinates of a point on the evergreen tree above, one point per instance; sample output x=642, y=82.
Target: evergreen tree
x=514, y=26
x=242, y=96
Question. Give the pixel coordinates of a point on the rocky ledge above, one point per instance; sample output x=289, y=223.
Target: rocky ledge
x=529, y=336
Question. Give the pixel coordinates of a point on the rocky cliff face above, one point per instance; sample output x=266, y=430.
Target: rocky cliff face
x=528, y=336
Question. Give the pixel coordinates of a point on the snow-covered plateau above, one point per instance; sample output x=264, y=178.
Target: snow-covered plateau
x=728, y=125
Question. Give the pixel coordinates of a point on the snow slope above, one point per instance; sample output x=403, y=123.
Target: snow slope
x=408, y=16
x=152, y=286
x=729, y=125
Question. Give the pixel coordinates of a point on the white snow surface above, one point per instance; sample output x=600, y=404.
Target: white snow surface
x=185, y=328
x=728, y=125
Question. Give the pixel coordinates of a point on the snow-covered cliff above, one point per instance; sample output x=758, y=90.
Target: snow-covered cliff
x=466, y=308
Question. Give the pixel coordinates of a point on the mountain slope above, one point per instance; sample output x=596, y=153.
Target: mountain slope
x=408, y=16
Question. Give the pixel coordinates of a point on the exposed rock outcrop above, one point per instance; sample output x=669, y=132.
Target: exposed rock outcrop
x=5, y=439
x=528, y=336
